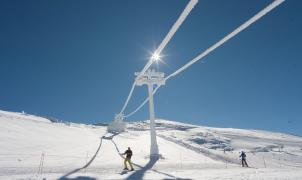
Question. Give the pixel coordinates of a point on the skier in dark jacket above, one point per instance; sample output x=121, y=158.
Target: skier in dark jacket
x=128, y=154
x=243, y=159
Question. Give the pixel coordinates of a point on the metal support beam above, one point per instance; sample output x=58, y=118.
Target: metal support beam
x=151, y=78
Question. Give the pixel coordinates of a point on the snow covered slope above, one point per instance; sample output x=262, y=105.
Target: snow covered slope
x=33, y=147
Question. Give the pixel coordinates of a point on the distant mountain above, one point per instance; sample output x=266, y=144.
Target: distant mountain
x=100, y=124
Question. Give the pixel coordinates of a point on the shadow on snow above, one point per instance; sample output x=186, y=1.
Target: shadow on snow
x=65, y=177
x=78, y=178
x=138, y=174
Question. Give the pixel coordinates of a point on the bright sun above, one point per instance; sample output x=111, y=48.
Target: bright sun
x=156, y=57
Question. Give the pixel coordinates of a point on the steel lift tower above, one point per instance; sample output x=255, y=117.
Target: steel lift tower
x=151, y=78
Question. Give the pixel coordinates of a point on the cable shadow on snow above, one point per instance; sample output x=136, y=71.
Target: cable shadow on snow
x=138, y=174
x=65, y=177
x=79, y=178
x=111, y=136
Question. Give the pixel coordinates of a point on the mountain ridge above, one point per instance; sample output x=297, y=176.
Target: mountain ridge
x=185, y=150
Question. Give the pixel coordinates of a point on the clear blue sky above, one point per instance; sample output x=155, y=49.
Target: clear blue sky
x=75, y=60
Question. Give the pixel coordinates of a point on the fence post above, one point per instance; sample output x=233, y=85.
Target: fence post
x=86, y=160
x=226, y=163
x=180, y=160
x=41, y=164
x=264, y=161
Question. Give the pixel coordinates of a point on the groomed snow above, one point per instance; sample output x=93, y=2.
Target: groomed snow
x=188, y=151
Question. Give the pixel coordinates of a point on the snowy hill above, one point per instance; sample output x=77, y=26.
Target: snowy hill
x=33, y=147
